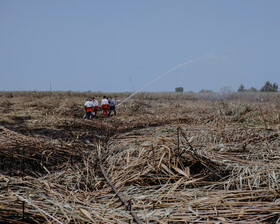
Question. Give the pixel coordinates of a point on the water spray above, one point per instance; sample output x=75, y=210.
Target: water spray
x=166, y=73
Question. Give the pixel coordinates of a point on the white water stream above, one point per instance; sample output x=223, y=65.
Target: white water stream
x=192, y=61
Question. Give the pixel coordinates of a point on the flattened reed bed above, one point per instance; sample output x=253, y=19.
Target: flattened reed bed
x=222, y=168
x=254, y=207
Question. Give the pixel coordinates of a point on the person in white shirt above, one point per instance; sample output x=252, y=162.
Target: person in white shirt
x=104, y=105
x=95, y=107
x=88, y=108
x=85, y=114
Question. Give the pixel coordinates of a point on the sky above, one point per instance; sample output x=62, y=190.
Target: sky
x=121, y=46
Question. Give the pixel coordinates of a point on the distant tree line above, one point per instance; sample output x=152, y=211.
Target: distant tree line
x=267, y=87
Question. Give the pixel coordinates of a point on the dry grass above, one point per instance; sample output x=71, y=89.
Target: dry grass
x=176, y=158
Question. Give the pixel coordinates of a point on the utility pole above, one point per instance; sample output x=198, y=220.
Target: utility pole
x=132, y=83
x=50, y=85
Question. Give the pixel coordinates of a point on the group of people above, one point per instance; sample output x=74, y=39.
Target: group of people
x=91, y=107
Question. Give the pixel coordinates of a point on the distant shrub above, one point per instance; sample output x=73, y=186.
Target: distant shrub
x=269, y=87
x=179, y=89
x=252, y=89
x=241, y=88
x=205, y=91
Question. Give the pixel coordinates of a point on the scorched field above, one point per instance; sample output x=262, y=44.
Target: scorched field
x=165, y=158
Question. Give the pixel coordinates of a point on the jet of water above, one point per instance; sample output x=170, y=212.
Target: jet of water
x=192, y=61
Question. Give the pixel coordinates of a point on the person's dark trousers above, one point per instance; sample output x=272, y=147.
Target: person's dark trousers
x=88, y=114
x=112, y=108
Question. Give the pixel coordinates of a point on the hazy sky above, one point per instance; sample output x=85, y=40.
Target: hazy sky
x=119, y=45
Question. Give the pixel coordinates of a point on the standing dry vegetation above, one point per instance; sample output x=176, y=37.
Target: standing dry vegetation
x=172, y=158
